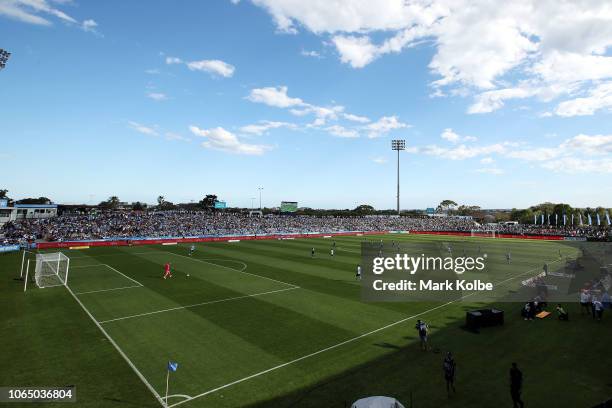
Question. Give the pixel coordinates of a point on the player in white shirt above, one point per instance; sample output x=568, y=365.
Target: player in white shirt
x=331, y=252
x=585, y=301
x=358, y=274
x=191, y=250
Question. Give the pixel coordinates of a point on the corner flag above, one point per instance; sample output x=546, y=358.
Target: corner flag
x=171, y=367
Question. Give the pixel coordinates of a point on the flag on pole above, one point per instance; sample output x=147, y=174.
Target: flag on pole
x=542, y=218
x=172, y=366
x=535, y=220
x=572, y=219
x=598, y=220
x=564, y=220
x=608, y=218
x=589, y=219
x=556, y=219
x=580, y=218
x=548, y=219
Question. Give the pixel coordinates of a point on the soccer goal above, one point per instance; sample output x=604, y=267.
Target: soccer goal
x=49, y=270
x=484, y=233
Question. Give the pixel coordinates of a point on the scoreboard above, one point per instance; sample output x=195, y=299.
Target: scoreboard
x=288, y=206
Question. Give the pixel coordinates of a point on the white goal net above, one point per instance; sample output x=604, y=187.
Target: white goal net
x=484, y=233
x=51, y=269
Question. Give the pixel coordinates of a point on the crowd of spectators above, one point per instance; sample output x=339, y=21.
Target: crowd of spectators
x=116, y=224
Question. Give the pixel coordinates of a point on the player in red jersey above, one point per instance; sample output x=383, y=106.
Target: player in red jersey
x=167, y=270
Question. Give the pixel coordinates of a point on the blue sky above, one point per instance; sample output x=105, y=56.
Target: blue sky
x=503, y=106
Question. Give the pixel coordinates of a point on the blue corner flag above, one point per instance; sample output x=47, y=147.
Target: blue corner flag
x=172, y=366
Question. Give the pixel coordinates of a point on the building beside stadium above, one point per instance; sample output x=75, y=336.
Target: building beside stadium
x=25, y=211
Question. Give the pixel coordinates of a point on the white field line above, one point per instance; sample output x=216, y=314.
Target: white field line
x=344, y=342
x=133, y=280
x=138, y=284
x=84, y=266
x=232, y=269
x=125, y=357
x=196, y=305
x=175, y=396
x=107, y=290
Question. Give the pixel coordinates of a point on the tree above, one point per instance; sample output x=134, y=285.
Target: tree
x=112, y=203
x=208, y=202
x=3, y=193
x=160, y=201
x=364, y=209
x=138, y=206
x=446, y=205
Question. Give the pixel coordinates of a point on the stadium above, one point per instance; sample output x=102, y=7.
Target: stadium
x=176, y=231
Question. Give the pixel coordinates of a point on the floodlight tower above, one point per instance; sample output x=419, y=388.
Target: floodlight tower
x=398, y=145
x=260, y=188
x=4, y=56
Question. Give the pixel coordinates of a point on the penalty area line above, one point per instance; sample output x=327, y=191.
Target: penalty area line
x=120, y=351
x=405, y=319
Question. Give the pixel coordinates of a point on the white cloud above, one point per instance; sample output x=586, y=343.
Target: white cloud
x=451, y=136
x=356, y=51
x=89, y=26
x=590, y=145
x=487, y=160
x=490, y=170
x=384, y=125
x=277, y=97
x=152, y=71
x=311, y=53
x=492, y=100
x=223, y=140
x=265, y=125
x=509, y=50
x=216, y=67
x=274, y=96
x=176, y=136
x=579, y=165
x=173, y=60
x=341, y=131
x=379, y=160
x=599, y=98
x=40, y=12
x=356, y=118
x=144, y=129
x=157, y=96
x=462, y=152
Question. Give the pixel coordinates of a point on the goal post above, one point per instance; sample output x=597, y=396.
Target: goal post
x=50, y=269
x=484, y=233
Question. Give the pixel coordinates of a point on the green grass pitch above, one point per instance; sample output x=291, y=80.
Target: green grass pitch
x=262, y=324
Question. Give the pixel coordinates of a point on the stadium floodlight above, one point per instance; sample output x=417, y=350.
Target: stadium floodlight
x=260, y=188
x=4, y=56
x=398, y=145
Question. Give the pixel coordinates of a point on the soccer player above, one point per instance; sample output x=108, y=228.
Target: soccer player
x=358, y=274
x=545, y=269
x=516, y=386
x=167, y=273
x=334, y=244
x=562, y=313
x=331, y=252
x=312, y=252
x=423, y=330
x=508, y=257
x=585, y=300
x=449, y=372
x=191, y=249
